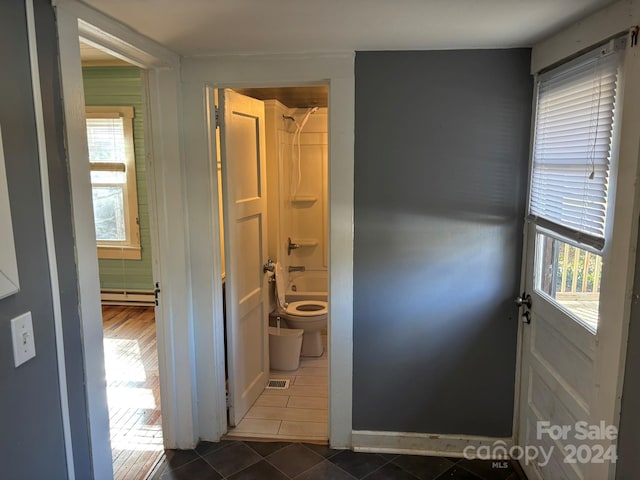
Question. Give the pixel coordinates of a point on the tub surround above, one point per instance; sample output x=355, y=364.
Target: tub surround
x=308, y=285
x=297, y=208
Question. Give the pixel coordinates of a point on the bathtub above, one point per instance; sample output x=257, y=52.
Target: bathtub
x=310, y=285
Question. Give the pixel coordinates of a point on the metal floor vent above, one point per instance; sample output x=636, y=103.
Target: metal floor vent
x=278, y=384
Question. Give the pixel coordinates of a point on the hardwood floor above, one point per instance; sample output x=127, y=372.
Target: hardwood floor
x=133, y=390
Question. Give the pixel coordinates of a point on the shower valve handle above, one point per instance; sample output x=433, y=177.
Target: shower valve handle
x=291, y=246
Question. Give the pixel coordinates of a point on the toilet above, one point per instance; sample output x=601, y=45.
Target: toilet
x=308, y=315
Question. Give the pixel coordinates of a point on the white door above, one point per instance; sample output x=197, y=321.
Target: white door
x=560, y=407
x=242, y=144
x=557, y=369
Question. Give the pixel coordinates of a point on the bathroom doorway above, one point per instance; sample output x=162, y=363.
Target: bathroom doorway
x=293, y=182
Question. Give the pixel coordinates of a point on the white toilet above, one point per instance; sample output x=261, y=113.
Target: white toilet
x=308, y=315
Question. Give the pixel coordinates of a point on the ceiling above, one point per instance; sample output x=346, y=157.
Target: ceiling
x=193, y=27
x=292, y=97
x=93, y=57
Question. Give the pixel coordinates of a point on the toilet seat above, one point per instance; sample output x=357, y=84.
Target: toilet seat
x=307, y=308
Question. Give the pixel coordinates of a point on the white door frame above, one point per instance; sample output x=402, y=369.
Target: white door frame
x=199, y=73
x=622, y=231
x=167, y=208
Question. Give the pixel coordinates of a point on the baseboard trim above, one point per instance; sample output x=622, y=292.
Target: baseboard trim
x=409, y=443
x=127, y=297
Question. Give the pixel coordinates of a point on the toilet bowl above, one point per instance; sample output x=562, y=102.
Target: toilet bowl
x=308, y=315
x=311, y=317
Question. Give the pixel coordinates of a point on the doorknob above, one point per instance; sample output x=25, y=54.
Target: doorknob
x=524, y=300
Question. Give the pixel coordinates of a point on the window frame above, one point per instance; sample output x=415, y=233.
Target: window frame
x=130, y=248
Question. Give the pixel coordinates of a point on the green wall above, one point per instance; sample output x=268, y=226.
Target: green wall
x=122, y=86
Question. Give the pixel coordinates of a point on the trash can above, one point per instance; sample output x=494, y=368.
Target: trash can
x=284, y=348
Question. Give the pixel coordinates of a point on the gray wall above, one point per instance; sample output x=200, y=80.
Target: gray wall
x=629, y=435
x=31, y=443
x=440, y=179
x=47, y=39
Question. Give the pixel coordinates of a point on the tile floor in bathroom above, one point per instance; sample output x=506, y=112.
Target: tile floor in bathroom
x=298, y=413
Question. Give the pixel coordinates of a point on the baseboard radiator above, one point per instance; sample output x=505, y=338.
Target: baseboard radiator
x=140, y=298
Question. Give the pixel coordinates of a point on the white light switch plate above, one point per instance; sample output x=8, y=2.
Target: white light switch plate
x=24, y=346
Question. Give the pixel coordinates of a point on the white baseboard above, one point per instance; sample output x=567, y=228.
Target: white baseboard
x=127, y=297
x=409, y=443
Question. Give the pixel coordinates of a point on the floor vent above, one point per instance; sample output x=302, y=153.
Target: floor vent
x=278, y=384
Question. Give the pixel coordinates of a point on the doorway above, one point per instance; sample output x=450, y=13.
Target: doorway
x=295, y=184
x=117, y=137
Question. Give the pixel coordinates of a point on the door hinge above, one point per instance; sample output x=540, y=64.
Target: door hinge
x=156, y=292
x=218, y=116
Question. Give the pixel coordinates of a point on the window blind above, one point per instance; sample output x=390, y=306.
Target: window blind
x=106, y=140
x=572, y=148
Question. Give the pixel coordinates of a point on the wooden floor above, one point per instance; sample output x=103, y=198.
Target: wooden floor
x=133, y=390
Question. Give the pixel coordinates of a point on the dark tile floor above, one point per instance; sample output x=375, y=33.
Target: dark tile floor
x=237, y=460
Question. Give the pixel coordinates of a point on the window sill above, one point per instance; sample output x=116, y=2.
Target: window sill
x=119, y=252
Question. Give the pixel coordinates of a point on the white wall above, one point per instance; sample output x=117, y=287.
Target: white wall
x=616, y=18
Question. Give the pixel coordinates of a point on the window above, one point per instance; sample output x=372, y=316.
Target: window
x=113, y=181
x=572, y=147
x=570, y=276
x=570, y=178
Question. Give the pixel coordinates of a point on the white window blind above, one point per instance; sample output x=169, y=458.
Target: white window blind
x=106, y=140
x=572, y=147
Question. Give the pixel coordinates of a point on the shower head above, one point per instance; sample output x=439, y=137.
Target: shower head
x=307, y=115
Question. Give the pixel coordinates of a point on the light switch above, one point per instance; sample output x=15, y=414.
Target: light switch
x=24, y=345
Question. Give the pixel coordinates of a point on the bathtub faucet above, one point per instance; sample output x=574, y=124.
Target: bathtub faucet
x=296, y=268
